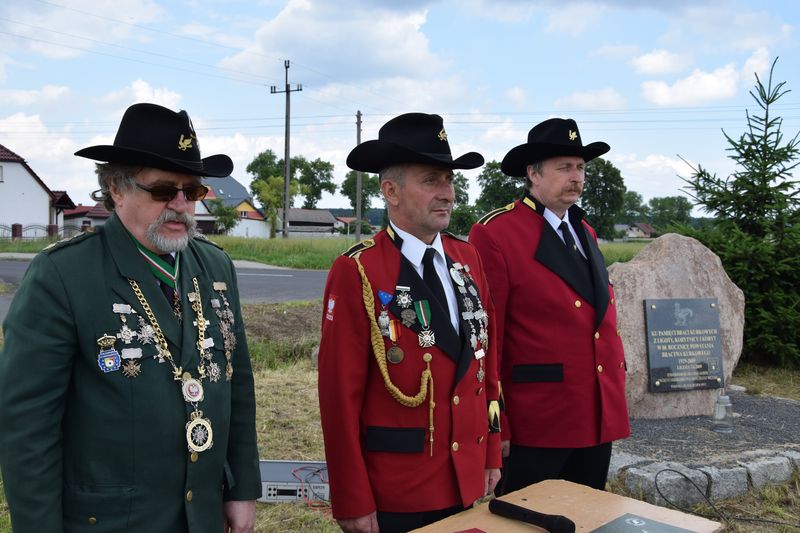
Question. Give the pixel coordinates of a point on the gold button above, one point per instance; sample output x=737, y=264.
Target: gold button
x=194, y=457
x=92, y=520
x=480, y=439
x=189, y=496
x=619, y=333
x=622, y=364
x=596, y=334
x=600, y=368
x=456, y=399
x=186, y=376
x=455, y=446
x=427, y=357
x=479, y=391
x=578, y=303
x=612, y=301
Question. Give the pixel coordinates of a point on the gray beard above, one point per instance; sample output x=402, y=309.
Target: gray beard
x=165, y=244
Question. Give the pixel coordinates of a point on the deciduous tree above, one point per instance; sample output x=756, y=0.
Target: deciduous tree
x=603, y=196
x=370, y=188
x=497, y=189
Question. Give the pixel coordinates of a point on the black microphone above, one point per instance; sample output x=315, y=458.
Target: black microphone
x=553, y=523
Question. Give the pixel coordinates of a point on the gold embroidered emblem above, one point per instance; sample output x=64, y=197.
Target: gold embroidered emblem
x=184, y=143
x=442, y=135
x=573, y=135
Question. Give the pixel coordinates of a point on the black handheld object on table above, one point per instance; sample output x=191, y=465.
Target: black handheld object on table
x=551, y=522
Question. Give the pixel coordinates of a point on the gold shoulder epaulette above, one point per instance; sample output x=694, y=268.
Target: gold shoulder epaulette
x=202, y=238
x=456, y=237
x=68, y=241
x=499, y=211
x=359, y=247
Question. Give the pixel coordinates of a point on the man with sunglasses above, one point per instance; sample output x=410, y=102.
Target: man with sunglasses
x=126, y=392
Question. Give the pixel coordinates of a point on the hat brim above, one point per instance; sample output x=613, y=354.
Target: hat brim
x=376, y=155
x=516, y=161
x=215, y=166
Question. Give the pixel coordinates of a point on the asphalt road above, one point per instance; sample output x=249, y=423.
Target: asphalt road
x=256, y=285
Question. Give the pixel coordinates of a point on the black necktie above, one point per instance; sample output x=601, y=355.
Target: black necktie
x=431, y=278
x=569, y=241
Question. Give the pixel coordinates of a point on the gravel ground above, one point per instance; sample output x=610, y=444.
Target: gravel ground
x=760, y=423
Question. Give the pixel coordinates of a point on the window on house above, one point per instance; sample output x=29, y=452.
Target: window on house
x=243, y=214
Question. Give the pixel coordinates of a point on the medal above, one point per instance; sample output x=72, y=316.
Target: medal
x=456, y=275
x=423, y=312
x=192, y=390
x=480, y=375
x=404, y=299
x=199, y=435
x=383, y=322
x=131, y=369
x=108, y=359
x=145, y=333
x=468, y=305
x=409, y=317
x=395, y=354
x=426, y=338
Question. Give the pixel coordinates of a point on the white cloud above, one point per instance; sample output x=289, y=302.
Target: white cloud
x=758, y=63
x=142, y=91
x=62, y=31
x=363, y=43
x=615, y=51
x=47, y=94
x=653, y=175
x=659, y=62
x=699, y=87
x=573, y=19
x=517, y=96
x=602, y=99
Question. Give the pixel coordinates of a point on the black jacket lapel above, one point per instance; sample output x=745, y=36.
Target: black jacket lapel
x=599, y=274
x=552, y=253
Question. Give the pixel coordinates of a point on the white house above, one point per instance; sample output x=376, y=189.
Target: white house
x=233, y=194
x=26, y=200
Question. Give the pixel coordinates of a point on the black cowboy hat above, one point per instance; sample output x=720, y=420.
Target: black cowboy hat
x=410, y=138
x=552, y=138
x=157, y=137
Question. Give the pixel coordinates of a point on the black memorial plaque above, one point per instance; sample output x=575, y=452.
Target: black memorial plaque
x=684, y=351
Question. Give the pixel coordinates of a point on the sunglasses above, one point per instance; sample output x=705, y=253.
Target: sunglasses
x=166, y=193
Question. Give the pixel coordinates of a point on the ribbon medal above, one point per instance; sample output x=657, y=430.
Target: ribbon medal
x=383, y=319
x=423, y=311
x=108, y=359
x=404, y=299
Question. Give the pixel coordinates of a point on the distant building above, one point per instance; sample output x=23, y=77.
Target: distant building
x=26, y=200
x=233, y=194
x=84, y=216
x=636, y=230
x=309, y=222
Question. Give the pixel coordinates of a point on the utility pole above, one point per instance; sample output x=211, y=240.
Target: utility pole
x=358, y=181
x=286, y=165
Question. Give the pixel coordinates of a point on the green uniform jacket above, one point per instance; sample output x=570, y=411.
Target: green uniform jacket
x=86, y=450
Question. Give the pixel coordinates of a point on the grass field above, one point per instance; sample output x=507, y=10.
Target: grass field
x=315, y=254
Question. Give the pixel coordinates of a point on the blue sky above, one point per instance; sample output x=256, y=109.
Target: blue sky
x=656, y=79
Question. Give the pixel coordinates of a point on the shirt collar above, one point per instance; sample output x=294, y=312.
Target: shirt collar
x=413, y=248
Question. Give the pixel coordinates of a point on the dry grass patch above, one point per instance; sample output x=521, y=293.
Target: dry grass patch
x=781, y=382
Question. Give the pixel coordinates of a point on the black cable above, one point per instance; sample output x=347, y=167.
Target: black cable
x=726, y=520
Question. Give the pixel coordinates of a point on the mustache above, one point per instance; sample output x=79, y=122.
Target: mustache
x=171, y=216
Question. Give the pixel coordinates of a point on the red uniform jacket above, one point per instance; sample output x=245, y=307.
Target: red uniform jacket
x=561, y=360
x=378, y=451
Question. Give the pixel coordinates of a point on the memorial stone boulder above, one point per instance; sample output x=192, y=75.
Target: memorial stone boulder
x=673, y=266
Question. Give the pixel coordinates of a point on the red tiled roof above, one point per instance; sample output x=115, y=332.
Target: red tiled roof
x=8, y=155
x=79, y=210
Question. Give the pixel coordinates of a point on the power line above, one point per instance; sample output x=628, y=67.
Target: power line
x=104, y=43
